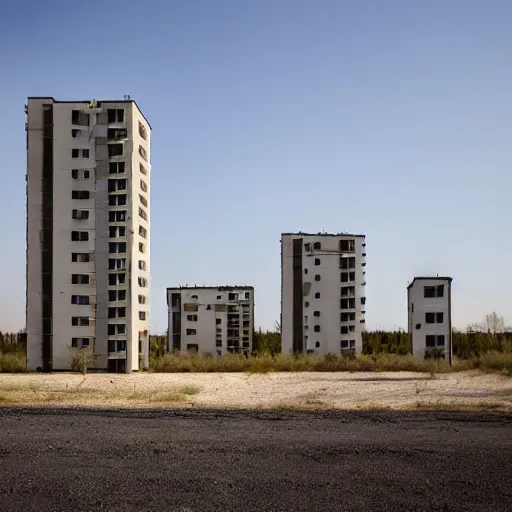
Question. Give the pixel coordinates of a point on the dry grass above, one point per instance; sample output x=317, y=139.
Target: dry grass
x=14, y=362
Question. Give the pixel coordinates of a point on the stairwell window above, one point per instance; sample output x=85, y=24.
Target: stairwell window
x=79, y=236
x=79, y=278
x=143, y=282
x=81, y=300
x=143, y=153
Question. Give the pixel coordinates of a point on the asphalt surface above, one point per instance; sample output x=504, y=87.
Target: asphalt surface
x=193, y=460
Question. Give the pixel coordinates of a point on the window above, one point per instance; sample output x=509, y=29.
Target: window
x=191, y=332
x=116, y=184
x=317, y=262
x=247, y=295
x=143, y=232
x=115, y=115
x=143, y=153
x=117, y=346
x=192, y=307
x=317, y=344
x=142, y=315
x=317, y=328
x=142, y=248
x=142, y=299
x=142, y=265
x=85, y=153
x=80, y=214
x=316, y=313
x=430, y=340
x=115, y=279
x=434, y=318
x=117, y=263
x=143, y=170
x=218, y=321
x=80, y=321
x=115, y=149
x=80, y=174
x=305, y=271
x=317, y=295
x=75, y=153
x=142, y=131
x=119, y=216
x=347, y=245
x=117, y=200
x=192, y=318
x=117, y=133
x=317, y=246
x=116, y=167
x=78, y=117
x=143, y=214
x=75, y=133
x=440, y=340
x=80, y=257
x=345, y=329
x=348, y=277
x=232, y=296
x=116, y=247
x=79, y=236
x=346, y=263
x=143, y=186
x=116, y=231
x=317, y=277
x=80, y=342
x=347, y=317
x=115, y=295
x=433, y=291
x=79, y=278
x=80, y=194
x=346, y=291
x=307, y=247
x=306, y=304
x=143, y=282
x=114, y=329
x=82, y=300
x=347, y=303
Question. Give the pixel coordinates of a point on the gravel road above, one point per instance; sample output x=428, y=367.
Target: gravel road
x=198, y=460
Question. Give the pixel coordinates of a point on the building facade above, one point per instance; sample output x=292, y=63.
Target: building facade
x=429, y=305
x=211, y=320
x=323, y=302
x=88, y=233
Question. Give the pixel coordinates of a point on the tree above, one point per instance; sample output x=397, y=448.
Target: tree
x=494, y=323
x=82, y=358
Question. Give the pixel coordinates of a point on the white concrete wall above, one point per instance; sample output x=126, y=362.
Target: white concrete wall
x=206, y=325
x=418, y=306
x=328, y=304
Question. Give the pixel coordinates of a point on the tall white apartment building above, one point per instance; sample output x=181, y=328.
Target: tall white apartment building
x=429, y=305
x=88, y=173
x=213, y=320
x=322, y=292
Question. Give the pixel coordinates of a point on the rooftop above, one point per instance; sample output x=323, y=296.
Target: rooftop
x=300, y=233
x=218, y=288
x=89, y=101
x=436, y=278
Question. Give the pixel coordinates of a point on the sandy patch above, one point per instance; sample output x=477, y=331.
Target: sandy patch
x=396, y=390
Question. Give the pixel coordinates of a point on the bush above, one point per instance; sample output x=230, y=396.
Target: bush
x=14, y=362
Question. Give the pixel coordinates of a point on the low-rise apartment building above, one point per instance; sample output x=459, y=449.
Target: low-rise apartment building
x=323, y=302
x=214, y=320
x=429, y=304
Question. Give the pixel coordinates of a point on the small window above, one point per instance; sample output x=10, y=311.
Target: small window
x=219, y=297
x=440, y=290
x=191, y=332
x=143, y=232
x=440, y=317
x=344, y=344
x=192, y=318
x=247, y=295
x=316, y=313
x=143, y=170
x=429, y=318
x=430, y=340
x=142, y=265
x=142, y=315
x=317, y=344
x=80, y=257
x=194, y=297
x=317, y=246
x=218, y=321
x=317, y=277
x=429, y=292
x=307, y=247
x=317, y=328
x=317, y=295
x=85, y=153
x=363, y=301
x=75, y=133
x=143, y=186
x=440, y=340
x=142, y=248
x=317, y=262
x=306, y=304
x=75, y=153
x=142, y=299
x=305, y=271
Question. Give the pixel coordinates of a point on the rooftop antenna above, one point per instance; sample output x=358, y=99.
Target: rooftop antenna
x=127, y=97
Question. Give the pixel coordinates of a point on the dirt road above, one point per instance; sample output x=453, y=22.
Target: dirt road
x=197, y=460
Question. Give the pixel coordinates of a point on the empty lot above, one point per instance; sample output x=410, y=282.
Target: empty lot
x=209, y=460
x=400, y=390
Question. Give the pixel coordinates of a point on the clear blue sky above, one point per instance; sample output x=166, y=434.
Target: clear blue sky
x=389, y=118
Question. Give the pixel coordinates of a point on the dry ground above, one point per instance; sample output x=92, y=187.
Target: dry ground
x=400, y=390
